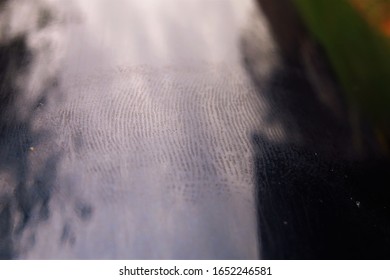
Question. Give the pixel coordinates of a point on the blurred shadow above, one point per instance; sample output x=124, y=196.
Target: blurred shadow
x=286, y=27
x=25, y=186
x=317, y=197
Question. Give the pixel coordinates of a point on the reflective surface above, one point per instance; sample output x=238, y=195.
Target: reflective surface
x=177, y=129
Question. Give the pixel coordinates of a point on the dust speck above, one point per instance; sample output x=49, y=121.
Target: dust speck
x=358, y=204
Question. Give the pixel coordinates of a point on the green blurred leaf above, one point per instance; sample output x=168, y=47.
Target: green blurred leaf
x=359, y=54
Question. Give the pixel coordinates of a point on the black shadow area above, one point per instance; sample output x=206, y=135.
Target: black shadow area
x=313, y=207
x=317, y=196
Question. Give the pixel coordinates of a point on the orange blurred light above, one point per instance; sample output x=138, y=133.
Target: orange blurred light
x=375, y=12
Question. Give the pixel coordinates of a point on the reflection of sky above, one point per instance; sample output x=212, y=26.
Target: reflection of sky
x=136, y=146
x=192, y=33
x=165, y=32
